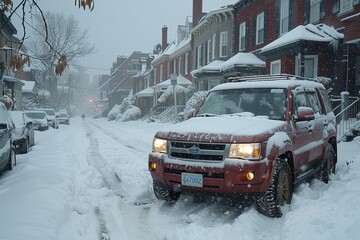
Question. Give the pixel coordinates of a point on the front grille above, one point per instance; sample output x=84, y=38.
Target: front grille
x=197, y=151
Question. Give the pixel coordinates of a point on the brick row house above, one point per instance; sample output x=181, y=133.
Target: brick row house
x=312, y=38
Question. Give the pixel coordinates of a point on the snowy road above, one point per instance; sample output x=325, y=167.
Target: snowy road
x=89, y=180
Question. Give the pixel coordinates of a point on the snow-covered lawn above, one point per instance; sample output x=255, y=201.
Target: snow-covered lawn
x=89, y=180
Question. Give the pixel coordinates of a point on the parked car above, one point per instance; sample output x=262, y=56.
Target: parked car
x=7, y=149
x=24, y=132
x=51, y=116
x=254, y=139
x=39, y=118
x=63, y=117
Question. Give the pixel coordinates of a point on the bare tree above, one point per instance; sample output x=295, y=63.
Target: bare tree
x=29, y=7
x=65, y=37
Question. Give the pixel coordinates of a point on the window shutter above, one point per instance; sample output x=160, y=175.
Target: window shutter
x=336, y=7
x=246, y=34
x=307, y=12
x=277, y=18
x=322, y=9
x=254, y=31
x=291, y=15
x=265, y=25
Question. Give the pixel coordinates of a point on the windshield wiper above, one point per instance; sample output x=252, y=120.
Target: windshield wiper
x=206, y=115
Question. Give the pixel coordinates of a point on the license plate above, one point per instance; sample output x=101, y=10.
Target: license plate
x=192, y=179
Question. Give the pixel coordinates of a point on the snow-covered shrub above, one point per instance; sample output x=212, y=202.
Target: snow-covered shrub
x=126, y=111
x=132, y=113
x=194, y=102
x=169, y=92
x=112, y=115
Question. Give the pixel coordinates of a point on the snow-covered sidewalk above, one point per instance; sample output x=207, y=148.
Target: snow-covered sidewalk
x=89, y=180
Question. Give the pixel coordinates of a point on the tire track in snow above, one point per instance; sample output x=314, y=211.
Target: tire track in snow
x=139, y=212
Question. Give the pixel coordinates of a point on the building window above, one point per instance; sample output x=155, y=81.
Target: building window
x=284, y=17
x=275, y=67
x=310, y=66
x=213, y=46
x=179, y=68
x=199, y=56
x=260, y=28
x=242, y=36
x=187, y=63
x=161, y=72
x=213, y=83
x=209, y=51
x=223, y=44
x=346, y=5
x=314, y=10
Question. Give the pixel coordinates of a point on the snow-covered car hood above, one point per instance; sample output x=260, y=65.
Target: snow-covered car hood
x=221, y=128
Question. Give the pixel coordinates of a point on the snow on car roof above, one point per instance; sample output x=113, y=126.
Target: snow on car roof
x=267, y=84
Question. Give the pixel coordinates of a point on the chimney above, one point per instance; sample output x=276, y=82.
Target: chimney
x=197, y=11
x=164, y=38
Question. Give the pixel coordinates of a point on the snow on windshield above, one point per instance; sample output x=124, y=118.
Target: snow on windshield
x=270, y=102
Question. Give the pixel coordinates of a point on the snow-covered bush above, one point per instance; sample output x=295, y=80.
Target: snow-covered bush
x=194, y=102
x=169, y=92
x=126, y=111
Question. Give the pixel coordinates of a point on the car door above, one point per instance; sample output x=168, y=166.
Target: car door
x=5, y=137
x=303, y=131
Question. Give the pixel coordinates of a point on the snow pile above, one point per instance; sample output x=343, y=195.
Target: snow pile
x=169, y=93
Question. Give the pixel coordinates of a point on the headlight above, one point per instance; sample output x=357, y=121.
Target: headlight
x=249, y=151
x=19, y=132
x=160, y=145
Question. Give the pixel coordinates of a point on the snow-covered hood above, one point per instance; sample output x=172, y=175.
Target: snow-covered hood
x=221, y=128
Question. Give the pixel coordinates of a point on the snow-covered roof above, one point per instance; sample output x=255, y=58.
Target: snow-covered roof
x=243, y=59
x=147, y=92
x=310, y=32
x=213, y=67
x=181, y=80
x=28, y=86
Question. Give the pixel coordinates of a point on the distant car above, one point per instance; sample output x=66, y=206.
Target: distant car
x=63, y=117
x=51, y=116
x=40, y=121
x=7, y=149
x=24, y=131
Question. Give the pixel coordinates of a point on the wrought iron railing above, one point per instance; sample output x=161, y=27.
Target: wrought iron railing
x=347, y=114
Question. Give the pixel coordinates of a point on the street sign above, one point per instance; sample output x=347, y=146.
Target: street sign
x=173, y=79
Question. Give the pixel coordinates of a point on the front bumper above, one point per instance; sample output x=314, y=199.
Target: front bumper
x=228, y=177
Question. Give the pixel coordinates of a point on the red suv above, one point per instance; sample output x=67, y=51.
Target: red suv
x=254, y=138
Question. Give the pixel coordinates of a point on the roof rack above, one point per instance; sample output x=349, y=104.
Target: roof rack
x=269, y=78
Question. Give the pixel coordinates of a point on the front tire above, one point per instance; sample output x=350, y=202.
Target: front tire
x=12, y=160
x=279, y=192
x=163, y=193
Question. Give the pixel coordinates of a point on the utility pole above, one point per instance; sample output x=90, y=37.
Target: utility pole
x=174, y=83
x=69, y=92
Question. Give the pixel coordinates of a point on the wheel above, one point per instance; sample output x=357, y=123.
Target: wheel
x=328, y=166
x=12, y=160
x=166, y=194
x=26, y=146
x=279, y=192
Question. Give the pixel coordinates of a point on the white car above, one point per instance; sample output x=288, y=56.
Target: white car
x=63, y=117
x=51, y=116
x=40, y=121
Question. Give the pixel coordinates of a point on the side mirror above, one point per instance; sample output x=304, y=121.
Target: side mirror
x=305, y=114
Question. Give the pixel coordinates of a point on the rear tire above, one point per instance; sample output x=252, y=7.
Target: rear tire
x=12, y=160
x=279, y=192
x=163, y=193
x=329, y=165
x=26, y=147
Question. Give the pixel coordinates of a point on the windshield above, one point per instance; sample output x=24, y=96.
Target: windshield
x=36, y=115
x=49, y=112
x=270, y=102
